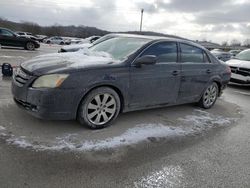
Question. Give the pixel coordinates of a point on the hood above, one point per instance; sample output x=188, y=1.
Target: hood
x=238, y=63
x=58, y=62
x=75, y=47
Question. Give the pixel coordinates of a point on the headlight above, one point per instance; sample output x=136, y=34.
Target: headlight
x=49, y=81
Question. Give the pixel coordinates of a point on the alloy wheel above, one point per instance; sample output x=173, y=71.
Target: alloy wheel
x=101, y=108
x=210, y=95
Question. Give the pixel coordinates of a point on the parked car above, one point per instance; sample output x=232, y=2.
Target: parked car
x=76, y=47
x=56, y=40
x=119, y=75
x=240, y=67
x=234, y=52
x=221, y=55
x=9, y=38
x=27, y=35
x=40, y=38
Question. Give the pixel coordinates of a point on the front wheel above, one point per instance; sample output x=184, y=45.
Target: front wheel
x=99, y=108
x=209, y=96
x=30, y=46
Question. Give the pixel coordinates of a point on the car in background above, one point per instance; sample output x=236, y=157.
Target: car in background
x=10, y=39
x=86, y=40
x=76, y=47
x=240, y=68
x=56, y=40
x=234, y=52
x=40, y=38
x=119, y=75
x=27, y=35
x=221, y=55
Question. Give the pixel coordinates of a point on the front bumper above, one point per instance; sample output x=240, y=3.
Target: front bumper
x=51, y=104
x=37, y=45
x=240, y=79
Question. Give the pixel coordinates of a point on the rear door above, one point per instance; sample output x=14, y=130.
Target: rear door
x=197, y=71
x=159, y=83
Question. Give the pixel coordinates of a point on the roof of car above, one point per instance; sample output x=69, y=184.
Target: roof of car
x=158, y=38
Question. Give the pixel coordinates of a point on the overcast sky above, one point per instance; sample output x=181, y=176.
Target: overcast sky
x=216, y=20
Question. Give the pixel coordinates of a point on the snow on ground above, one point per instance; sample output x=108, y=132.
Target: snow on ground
x=11, y=57
x=198, y=122
x=169, y=176
x=2, y=128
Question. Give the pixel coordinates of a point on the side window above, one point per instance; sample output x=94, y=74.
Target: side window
x=164, y=51
x=6, y=33
x=192, y=54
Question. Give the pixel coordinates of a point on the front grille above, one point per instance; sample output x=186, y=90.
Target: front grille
x=240, y=71
x=21, y=77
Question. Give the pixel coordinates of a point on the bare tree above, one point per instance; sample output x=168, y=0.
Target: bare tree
x=246, y=43
x=224, y=43
x=235, y=42
x=31, y=27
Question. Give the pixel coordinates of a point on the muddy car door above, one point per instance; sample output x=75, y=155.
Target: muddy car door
x=196, y=70
x=157, y=83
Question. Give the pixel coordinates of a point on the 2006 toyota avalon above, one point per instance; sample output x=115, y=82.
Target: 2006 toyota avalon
x=122, y=74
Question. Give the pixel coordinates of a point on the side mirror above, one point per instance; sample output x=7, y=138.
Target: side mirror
x=145, y=60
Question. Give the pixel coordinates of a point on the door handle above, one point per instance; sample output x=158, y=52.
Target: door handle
x=208, y=71
x=175, y=73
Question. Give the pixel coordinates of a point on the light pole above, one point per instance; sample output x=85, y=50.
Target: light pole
x=142, y=10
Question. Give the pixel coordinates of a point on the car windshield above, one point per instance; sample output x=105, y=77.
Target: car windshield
x=245, y=55
x=120, y=47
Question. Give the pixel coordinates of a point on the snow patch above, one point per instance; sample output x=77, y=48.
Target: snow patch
x=130, y=137
x=198, y=122
x=12, y=57
x=2, y=128
x=201, y=121
x=170, y=176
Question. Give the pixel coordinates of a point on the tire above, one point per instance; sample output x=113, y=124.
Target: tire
x=99, y=108
x=30, y=46
x=209, y=96
x=48, y=42
x=61, y=43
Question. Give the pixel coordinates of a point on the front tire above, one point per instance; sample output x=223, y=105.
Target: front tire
x=30, y=46
x=209, y=96
x=99, y=108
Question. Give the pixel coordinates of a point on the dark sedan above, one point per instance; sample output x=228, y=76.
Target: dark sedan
x=9, y=38
x=122, y=74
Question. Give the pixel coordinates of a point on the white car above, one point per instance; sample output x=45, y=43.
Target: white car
x=56, y=40
x=26, y=35
x=86, y=43
x=240, y=68
x=221, y=55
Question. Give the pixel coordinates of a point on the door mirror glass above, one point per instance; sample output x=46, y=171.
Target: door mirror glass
x=146, y=60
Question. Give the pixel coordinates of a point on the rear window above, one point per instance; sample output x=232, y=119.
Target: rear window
x=192, y=54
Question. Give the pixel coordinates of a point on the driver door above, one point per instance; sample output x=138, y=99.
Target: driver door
x=156, y=84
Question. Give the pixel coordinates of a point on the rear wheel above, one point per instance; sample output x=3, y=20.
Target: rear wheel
x=209, y=96
x=30, y=46
x=99, y=108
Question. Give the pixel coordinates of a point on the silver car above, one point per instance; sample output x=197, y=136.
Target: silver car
x=221, y=55
x=240, y=67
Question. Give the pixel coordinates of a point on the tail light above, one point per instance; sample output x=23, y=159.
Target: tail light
x=228, y=70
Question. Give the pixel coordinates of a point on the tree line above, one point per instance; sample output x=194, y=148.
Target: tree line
x=54, y=30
